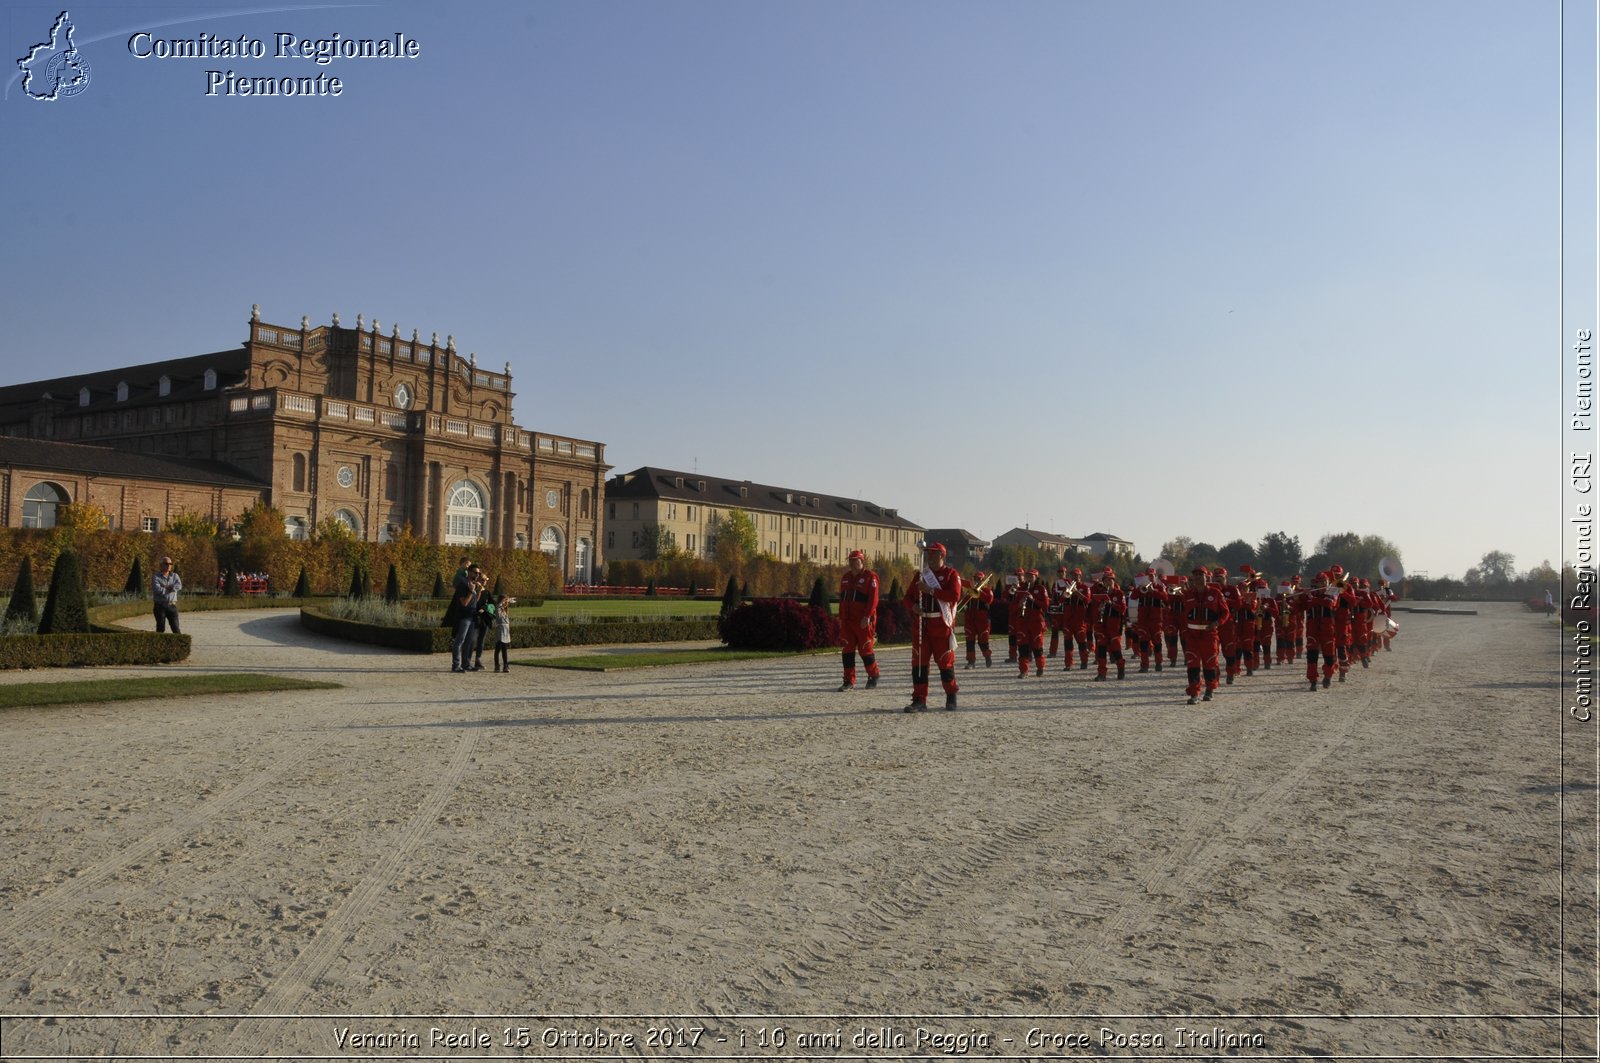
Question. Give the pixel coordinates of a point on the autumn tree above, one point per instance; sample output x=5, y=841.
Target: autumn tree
x=734, y=538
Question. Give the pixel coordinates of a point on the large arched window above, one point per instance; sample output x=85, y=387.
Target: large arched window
x=465, y=515
x=39, y=505
x=550, y=543
x=349, y=520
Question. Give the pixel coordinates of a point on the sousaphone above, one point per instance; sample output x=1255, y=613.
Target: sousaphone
x=1390, y=569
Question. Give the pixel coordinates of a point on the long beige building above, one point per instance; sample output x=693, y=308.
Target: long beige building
x=369, y=428
x=791, y=525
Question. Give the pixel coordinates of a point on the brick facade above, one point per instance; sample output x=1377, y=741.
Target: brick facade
x=370, y=428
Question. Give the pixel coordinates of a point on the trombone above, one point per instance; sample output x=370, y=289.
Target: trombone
x=970, y=593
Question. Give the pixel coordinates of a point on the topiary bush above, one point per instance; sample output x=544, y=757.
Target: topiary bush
x=135, y=584
x=65, y=610
x=23, y=607
x=819, y=595
x=391, y=587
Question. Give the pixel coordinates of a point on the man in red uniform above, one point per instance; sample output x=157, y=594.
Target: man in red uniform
x=1171, y=625
x=1150, y=627
x=1228, y=634
x=1344, y=615
x=1317, y=607
x=1386, y=597
x=1266, y=617
x=1028, y=620
x=1284, y=623
x=932, y=599
x=1203, y=611
x=1075, y=620
x=975, y=620
x=1361, y=622
x=858, y=619
x=1056, y=612
x=1108, y=613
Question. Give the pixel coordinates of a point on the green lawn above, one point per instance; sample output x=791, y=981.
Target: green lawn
x=85, y=691
x=609, y=662
x=649, y=608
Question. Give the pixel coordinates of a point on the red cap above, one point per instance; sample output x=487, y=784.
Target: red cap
x=934, y=548
x=855, y=554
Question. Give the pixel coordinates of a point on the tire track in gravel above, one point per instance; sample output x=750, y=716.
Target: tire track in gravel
x=1184, y=867
x=58, y=906
x=301, y=976
x=995, y=856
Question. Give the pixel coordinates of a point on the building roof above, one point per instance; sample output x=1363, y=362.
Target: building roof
x=186, y=376
x=47, y=454
x=650, y=482
x=950, y=535
x=1062, y=541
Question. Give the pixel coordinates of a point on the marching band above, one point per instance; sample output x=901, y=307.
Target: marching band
x=1227, y=628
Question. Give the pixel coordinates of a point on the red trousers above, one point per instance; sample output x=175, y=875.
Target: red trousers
x=934, y=645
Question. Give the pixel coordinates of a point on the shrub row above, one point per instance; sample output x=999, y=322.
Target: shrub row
x=779, y=624
x=108, y=557
x=523, y=635
x=101, y=646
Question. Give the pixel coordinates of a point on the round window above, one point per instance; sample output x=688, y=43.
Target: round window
x=347, y=476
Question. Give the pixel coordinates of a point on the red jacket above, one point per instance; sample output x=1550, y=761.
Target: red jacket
x=858, y=596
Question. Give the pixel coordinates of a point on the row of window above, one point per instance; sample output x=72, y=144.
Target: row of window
x=163, y=387
x=41, y=504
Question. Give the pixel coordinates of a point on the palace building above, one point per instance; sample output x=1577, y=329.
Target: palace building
x=791, y=525
x=371, y=429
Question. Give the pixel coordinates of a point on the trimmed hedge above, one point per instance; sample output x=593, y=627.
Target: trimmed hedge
x=524, y=634
x=412, y=639
x=779, y=624
x=101, y=646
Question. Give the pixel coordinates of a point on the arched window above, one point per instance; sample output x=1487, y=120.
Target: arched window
x=349, y=520
x=583, y=503
x=550, y=541
x=299, y=472
x=465, y=515
x=39, y=505
x=211, y=380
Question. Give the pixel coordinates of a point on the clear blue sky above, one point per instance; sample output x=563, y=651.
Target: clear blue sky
x=1147, y=268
